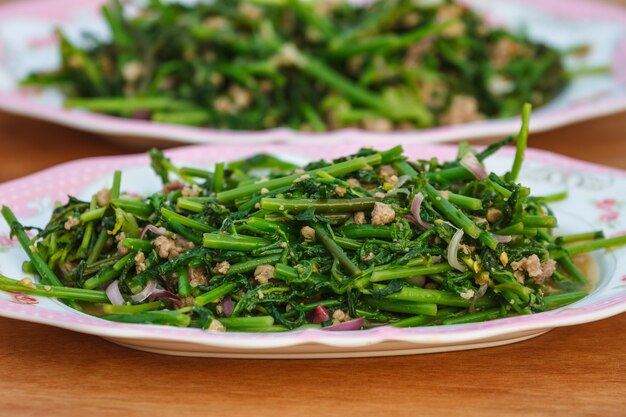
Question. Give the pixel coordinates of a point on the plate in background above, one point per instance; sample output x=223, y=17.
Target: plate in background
x=26, y=44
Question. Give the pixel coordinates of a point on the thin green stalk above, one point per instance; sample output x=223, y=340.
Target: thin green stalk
x=321, y=206
x=250, y=265
x=107, y=275
x=91, y=215
x=522, y=142
x=468, y=203
x=423, y=295
x=215, y=294
x=458, y=218
x=44, y=271
x=242, y=322
x=406, y=307
x=138, y=208
x=229, y=242
x=137, y=244
x=152, y=317
x=489, y=314
x=551, y=198
x=336, y=170
x=88, y=231
x=596, y=245
x=218, y=177
x=54, y=291
x=131, y=309
x=322, y=236
x=117, y=183
x=539, y=221
x=570, y=267
x=172, y=216
x=598, y=234
x=189, y=205
x=98, y=246
x=184, y=287
x=553, y=301
x=398, y=273
x=346, y=243
x=366, y=231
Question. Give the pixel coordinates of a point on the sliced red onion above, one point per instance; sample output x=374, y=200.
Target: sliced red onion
x=141, y=114
x=114, y=294
x=320, y=314
x=228, y=306
x=168, y=296
x=145, y=293
x=502, y=239
x=355, y=324
x=474, y=166
x=453, y=250
x=160, y=231
x=416, y=207
x=21, y=298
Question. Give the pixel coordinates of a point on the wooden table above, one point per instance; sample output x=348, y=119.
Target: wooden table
x=571, y=371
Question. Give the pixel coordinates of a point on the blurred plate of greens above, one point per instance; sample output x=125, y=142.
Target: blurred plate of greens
x=293, y=70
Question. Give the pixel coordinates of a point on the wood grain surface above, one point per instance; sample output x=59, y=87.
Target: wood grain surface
x=574, y=371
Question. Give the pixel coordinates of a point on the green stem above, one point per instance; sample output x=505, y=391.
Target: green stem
x=596, y=245
x=242, y=322
x=336, y=170
x=539, y=221
x=184, y=287
x=131, y=309
x=215, y=294
x=366, y=231
x=46, y=274
x=172, y=216
x=553, y=301
x=522, y=142
x=229, y=242
x=322, y=236
x=218, y=177
x=423, y=295
x=152, y=317
x=598, y=234
x=406, y=307
x=489, y=314
x=398, y=273
x=321, y=206
x=54, y=291
x=117, y=183
x=247, y=266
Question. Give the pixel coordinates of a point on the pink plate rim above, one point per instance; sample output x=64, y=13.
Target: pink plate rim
x=56, y=10
x=18, y=192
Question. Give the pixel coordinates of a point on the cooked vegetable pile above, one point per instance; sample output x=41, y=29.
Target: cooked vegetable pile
x=308, y=65
x=370, y=239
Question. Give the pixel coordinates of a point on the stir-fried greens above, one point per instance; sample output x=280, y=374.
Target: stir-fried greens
x=308, y=65
x=369, y=239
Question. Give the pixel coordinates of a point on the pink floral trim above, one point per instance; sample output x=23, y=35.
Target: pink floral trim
x=609, y=211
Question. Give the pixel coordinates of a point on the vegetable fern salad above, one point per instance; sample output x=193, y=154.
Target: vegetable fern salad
x=311, y=66
x=370, y=239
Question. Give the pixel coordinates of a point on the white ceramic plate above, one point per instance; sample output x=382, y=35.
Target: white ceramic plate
x=596, y=200
x=26, y=45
